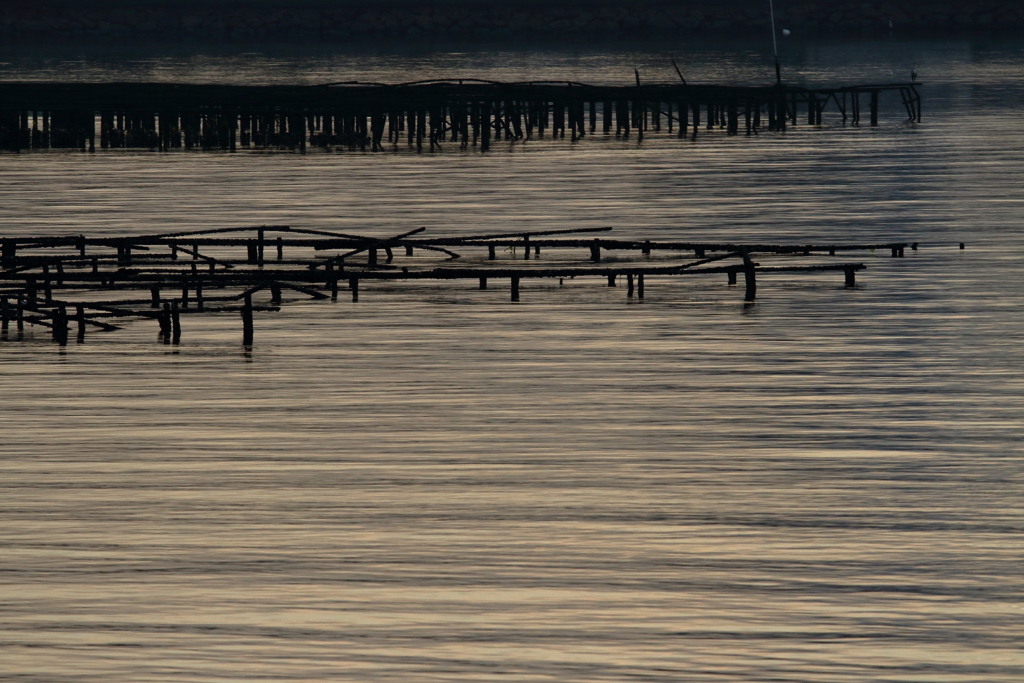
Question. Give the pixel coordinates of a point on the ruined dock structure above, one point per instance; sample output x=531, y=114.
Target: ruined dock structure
x=377, y=116
x=94, y=283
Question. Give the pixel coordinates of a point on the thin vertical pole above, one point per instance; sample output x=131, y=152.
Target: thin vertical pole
x=775, y=44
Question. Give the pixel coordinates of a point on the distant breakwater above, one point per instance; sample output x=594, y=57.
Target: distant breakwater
x=340, y=21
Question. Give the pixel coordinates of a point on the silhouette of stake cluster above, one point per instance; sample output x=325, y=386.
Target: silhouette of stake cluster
x=377, y=116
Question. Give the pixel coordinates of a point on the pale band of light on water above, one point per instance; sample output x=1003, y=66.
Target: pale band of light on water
x=442, y=485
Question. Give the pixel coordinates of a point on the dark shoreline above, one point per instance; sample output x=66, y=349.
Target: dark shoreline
x=317, y=20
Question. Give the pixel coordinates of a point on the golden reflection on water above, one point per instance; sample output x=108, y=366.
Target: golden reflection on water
x=434, y=483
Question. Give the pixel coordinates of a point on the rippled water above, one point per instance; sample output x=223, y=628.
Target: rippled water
x=442, y=485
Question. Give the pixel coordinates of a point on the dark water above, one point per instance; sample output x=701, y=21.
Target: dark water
x=441, y=485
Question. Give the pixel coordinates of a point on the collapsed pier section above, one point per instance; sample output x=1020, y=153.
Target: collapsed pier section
x=95, y=283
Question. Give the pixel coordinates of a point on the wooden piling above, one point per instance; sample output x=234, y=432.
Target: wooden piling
x=750, y=277
x=164, y=318
x=247, y=321
x=60, y=325
x=485, y=126
x=175, y=323
x=515, y=288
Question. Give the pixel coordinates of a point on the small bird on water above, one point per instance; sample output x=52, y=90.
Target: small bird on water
x=913, y=73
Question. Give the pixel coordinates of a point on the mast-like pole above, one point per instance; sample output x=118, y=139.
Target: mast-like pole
x=775, y=44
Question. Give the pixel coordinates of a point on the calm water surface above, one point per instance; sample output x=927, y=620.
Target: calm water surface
x=441, y=485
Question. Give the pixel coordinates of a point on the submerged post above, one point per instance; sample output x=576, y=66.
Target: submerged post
x=60, y=325
x=247, y=321
x=80, y=317
x=175, y=323
x=164, y=318
x=750, y=277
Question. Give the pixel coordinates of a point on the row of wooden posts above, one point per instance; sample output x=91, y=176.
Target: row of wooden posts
x=58, y=282
x=434, y=117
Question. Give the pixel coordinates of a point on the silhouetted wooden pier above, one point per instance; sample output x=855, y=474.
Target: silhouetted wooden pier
x=89, y=282
x=374, y=116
